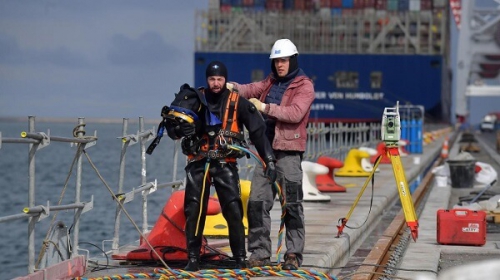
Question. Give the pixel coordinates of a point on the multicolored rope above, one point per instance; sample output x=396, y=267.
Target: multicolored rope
x=222, y=274
x=246, y=273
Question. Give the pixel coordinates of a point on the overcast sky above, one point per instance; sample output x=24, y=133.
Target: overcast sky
x=94, y=58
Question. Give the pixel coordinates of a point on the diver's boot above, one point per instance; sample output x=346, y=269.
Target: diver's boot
x=193, y=264
x=240, y=262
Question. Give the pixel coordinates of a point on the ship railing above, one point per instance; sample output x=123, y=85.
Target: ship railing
x=141, y=137
x=35, y=213
x=37, y=141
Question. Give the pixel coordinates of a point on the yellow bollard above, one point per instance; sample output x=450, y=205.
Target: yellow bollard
x=352, y=164
x=216, y=225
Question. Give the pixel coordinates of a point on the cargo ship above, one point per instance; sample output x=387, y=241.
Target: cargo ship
x=363, y=55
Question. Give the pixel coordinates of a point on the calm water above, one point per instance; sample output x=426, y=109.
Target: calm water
x=52, y=167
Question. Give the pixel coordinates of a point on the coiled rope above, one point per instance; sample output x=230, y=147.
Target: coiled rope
x=237, y=274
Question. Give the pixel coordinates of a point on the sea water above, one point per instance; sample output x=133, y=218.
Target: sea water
x=53, y=164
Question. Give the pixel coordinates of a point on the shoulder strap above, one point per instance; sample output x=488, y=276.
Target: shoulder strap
x=230, y=125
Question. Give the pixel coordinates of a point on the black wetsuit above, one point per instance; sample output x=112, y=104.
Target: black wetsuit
x=223, y=174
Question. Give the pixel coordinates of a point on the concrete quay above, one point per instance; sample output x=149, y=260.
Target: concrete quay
x=323, y=250
x=424, y=259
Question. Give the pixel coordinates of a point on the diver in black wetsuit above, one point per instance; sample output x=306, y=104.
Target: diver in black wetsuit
x=206, y=143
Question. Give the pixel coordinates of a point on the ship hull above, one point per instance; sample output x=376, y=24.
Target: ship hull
x=349, y=87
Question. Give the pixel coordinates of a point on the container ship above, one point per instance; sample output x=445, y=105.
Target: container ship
x=362, y=55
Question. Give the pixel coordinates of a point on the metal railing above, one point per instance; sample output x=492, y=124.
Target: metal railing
x=35, y=213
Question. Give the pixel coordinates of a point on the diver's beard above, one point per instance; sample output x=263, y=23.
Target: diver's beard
x=219, y=90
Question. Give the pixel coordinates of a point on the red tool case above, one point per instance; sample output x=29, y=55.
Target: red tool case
x=461, y=227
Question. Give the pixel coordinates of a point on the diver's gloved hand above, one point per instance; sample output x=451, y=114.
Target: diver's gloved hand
x=190, y=146
x=187, y=129
x=164, y=111
x=271, y=172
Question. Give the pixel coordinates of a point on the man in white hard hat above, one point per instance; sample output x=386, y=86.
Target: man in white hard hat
x=284, y=98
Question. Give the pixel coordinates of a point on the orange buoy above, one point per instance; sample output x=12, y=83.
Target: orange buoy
x=326, y=182
x=167, y=236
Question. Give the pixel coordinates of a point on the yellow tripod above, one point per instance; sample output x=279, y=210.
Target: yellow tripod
x=391, y=135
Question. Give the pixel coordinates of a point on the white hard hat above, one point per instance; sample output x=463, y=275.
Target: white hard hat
x=283, y=48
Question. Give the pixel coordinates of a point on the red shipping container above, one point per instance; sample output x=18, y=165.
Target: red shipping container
x=461, y=227
x=248, y=3
x=336, y=3
x=359, y=4
x=369, y=3
x=324, y=3
x=425, y=5
x=305, y=5
x=274, y=5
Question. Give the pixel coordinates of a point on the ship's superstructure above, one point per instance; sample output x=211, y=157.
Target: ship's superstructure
x=362, y=55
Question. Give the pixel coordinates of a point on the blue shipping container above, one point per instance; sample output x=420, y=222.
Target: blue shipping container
x=259, y=3
x=404, y=5
x=288, y=4
x=237, y=3
x=347, y=3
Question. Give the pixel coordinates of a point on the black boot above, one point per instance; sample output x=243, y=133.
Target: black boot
x=193, y=264
x=240, y=262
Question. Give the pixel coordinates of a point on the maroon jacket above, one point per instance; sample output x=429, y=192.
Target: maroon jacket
x=291, y=116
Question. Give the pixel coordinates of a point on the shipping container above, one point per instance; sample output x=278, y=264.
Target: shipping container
x=274, y=5
x=425, y=5
x=392, y=5
x=359, y=4
x=347, y=4
x=288, y=5
x=305, y=6
x=381, y=5
x=259, y=3
x=324, y=3
x=415, y=5
x=336, y=3
x=248, y=3
x=403, y=5
x=369, y=3
x=237, y=3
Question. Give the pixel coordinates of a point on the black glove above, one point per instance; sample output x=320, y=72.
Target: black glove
x=270, y=172
x=164, y=111
x=186, y=129
x=190, y=145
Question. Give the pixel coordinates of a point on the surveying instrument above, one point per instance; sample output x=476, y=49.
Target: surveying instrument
x=391, y=134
